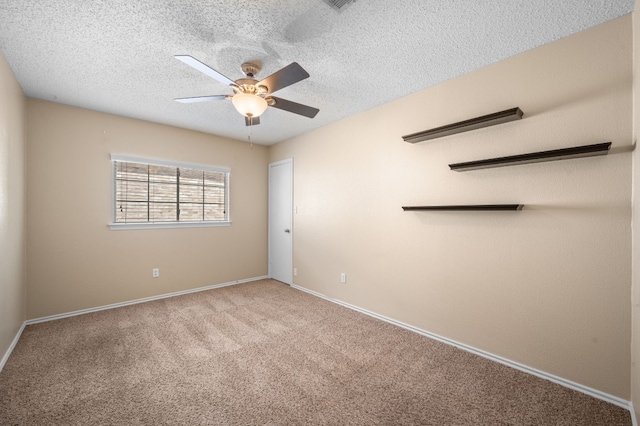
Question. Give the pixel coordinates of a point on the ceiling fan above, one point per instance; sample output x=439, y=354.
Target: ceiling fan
x=252, y=97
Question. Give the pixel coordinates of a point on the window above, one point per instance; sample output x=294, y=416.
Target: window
x=163, y=194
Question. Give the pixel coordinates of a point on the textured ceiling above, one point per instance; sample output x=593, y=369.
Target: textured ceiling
x=117, y=56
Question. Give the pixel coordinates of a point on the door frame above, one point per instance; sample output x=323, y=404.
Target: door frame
x=270, y=254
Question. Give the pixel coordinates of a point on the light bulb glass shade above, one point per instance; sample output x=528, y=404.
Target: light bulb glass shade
x=249, y=105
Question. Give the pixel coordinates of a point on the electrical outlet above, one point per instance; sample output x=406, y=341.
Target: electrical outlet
x=343, y=277
x=295, y=272
x=155, y=273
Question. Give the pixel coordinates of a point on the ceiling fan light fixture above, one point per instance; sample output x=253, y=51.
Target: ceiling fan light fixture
x=249, y=105
x=252, y=97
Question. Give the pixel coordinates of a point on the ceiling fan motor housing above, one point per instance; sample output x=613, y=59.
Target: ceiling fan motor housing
x=249, y=85
x=251, y=69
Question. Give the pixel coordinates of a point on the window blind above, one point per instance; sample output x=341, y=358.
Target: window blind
x=156, y=193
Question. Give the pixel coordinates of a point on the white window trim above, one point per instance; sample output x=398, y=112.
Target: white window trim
x=113, y=225
x=162, y=225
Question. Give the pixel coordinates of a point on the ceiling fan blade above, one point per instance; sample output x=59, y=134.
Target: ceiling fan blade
x=201, y=99
x=294, y=107
x=288, y=75
x=194, y=63
x=251, y=121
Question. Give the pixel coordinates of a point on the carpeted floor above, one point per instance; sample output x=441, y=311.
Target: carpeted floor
x=263, y=353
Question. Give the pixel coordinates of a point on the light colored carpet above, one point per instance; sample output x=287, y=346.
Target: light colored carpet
x=263, y=353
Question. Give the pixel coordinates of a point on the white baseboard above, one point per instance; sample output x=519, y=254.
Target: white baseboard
x=116, y=305
x=11, y=346
x=136, y=301
x=634, y=422
x=539, y=373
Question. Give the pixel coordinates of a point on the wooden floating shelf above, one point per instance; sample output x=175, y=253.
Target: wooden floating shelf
x=467, y=125
x=467, y=207
x=535, y=157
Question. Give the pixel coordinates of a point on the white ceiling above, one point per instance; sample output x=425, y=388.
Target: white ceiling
x=117, y=56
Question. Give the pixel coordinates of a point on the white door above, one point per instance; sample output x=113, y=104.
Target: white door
x=281, y=221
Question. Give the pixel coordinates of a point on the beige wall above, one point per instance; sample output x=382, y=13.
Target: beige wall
x=635, y=306
x=12, y=207
x=74, y=261
x=548, y=286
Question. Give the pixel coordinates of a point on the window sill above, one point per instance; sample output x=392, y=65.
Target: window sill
x=163, y=225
